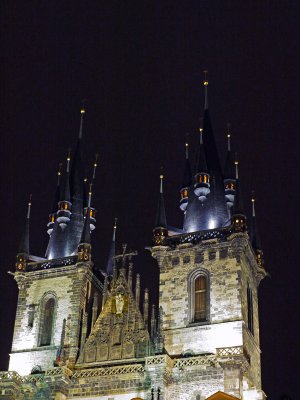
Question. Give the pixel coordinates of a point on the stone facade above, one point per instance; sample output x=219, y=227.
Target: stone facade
x=112, y=354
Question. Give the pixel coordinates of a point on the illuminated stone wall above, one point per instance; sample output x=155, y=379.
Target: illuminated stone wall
x=71, y=287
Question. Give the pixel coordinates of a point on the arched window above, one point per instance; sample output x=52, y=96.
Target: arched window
x=250, y=310
x=199, y=296
x=46, y=321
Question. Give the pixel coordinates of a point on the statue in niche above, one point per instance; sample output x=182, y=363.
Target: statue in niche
x=120, y=302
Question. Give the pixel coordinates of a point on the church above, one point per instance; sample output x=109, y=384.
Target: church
x=85, y=333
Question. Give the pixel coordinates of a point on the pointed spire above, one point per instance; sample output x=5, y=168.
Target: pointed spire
x=229, y=163
x=187, y=176
x=205, y=83
x=82, y=112
x=161, y=221
x=95, y=167
x=254, y=234
x=111, y=257
x=238, y=217
x=57, y=191
x=65, y=191
x=23, y=253
x=160, y=231
x=138, y=290
x=24, y=244
x=86, y=232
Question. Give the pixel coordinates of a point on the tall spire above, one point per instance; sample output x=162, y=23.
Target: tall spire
x=23, y=253
x=161, y=230
x=254, y=235
x=52, y=215
x=229, y=162
x=112, y=252
x=187, y=180
x=238, y=217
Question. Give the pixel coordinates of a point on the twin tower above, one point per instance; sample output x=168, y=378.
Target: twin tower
x=87, y=333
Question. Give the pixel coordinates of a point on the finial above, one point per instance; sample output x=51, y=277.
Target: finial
x=82, y=112
x=68, y=160
x=95, y=166
x=29, y=206
x=205, y=83
x=228, y=137
x=253, y=203
x=201, y=135
x=115, y=228
x=236, y=163
x=161, y=177
x=186, y=150
x=90, y=195
x=59, y=173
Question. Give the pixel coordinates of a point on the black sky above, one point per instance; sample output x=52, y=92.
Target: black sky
x=139, y=65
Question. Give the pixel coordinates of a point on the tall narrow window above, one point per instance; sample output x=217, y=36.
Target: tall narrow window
x=250, y=309
x=200, y=298
x=47, y=322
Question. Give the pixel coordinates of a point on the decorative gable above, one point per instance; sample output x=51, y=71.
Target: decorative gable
x=221, y=396
x=120, y=331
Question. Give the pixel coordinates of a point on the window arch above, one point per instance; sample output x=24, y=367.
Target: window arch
x=48, y=304
x=199, y=296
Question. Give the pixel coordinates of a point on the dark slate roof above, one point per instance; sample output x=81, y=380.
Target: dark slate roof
x=213, y=212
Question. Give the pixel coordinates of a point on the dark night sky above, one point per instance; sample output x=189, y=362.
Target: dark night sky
x=139, y=65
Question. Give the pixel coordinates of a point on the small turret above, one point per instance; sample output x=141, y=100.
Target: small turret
x=23, y=253
x=202, y=177
x=52, y=215
x=64, y=204
x=187, y=180
x=160, y=232
x=229, y=173
x=255, y=237
x=238, y=218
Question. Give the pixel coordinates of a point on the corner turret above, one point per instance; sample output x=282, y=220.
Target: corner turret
x=64, y=204
x=53, y=214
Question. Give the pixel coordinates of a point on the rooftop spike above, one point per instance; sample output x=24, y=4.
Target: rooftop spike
x=228, y=137
x=160, y=230
x=111, y=256
x=254, y=235
x=90, y=196
x=82, y=112
x=95, y=167
x=86, y=232
x=236, y=163
x=238, y=218
x=23, y=252
x=187, y=180
x=205, y=83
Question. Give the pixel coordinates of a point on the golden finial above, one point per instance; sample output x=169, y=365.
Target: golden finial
x=186, y=150
x=253, y=203
x=29, y=206
x=205, y=82
x=228, y=137
x=95, y=166
x=115, y=223
x=59, y=169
